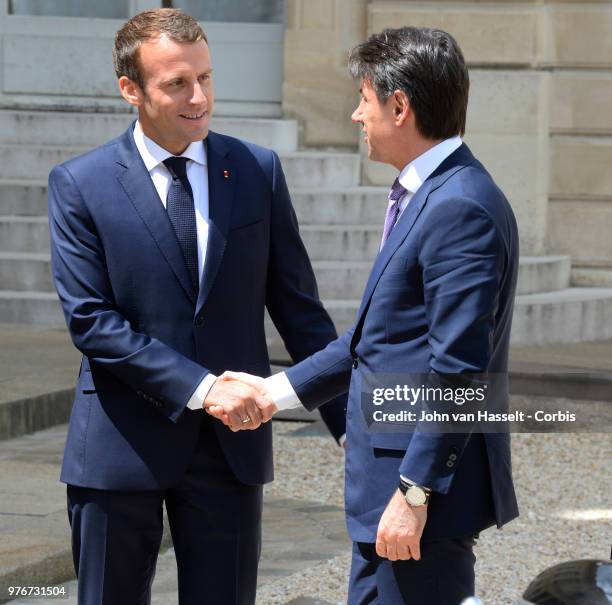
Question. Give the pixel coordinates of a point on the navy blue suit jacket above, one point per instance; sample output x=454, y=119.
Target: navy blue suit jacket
x=147, y=339
x=439, y=299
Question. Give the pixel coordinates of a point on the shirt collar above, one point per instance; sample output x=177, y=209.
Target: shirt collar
x=153, y=155
x=414, y=174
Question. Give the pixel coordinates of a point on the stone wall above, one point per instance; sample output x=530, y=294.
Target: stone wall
x=539, y=115
x=580, y=209
x=317, y=89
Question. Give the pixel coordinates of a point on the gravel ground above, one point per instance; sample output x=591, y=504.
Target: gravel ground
x=564, y=487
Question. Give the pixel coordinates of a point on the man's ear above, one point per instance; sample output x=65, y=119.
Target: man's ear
x=131, y=91
x=401, y=107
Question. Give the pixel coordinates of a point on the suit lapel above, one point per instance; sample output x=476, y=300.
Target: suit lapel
x=454, y=162
x=222, y=178
x=137, y=183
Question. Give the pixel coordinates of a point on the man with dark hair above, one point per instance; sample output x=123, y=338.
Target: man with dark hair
x=438, y=303
x=167, y=244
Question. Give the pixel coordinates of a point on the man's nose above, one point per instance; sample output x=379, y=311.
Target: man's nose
x=198, y=97
x=355, y=115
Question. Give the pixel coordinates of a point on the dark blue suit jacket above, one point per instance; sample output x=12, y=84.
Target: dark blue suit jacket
x=147, y=339
x=439, y=299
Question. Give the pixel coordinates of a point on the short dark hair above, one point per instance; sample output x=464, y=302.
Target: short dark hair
x=428, y=65
x=149, y=25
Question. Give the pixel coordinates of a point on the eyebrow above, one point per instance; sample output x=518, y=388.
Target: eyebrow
x=172, y=79
x=181, y=77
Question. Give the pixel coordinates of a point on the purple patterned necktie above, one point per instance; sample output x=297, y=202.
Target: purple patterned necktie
x=181, y=212
x=393, y=210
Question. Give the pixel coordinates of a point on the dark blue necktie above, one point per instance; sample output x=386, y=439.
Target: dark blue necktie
x=181, y=212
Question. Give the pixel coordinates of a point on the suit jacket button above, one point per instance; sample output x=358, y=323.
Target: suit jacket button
x=199, y=322
x=452, y=457
x=355, y=362
x=450, y=463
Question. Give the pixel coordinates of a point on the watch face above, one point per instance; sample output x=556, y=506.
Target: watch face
x=415, y=496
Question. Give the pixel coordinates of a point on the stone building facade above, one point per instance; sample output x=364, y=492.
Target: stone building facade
x=539, y=118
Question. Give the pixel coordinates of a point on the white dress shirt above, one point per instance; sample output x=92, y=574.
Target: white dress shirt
x=153, y=157
x=412, y=176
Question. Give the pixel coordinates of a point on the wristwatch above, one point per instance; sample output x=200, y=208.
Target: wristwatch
x=415, y=495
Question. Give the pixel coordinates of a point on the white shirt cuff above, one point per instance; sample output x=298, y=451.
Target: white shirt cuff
x=199, y=395
x=342, y=440
x=281, y=392
x=413, y=483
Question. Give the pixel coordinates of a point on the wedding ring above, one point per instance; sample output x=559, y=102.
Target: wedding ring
x=245, y=420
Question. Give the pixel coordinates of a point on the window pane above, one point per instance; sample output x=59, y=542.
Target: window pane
x=245, y=11
x=109, y=9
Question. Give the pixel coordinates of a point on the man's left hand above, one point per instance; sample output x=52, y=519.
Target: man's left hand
x=400, y=530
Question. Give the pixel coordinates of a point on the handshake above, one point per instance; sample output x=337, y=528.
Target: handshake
x=240, y=401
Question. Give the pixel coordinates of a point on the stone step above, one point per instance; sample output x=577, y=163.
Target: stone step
x=570, y=315
x=19, y=197
x=27, y=271
x=321, y=169
x=82, y=129
x=543, y=274
x=341, y=242
x=302, y=168
x=24, y=234
x=31, y=308
x=354, y=205
x=341, y=279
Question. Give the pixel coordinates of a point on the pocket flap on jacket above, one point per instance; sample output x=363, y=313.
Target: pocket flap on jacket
x=390, y=441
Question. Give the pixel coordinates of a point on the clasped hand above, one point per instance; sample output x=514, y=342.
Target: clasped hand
x=240, y=401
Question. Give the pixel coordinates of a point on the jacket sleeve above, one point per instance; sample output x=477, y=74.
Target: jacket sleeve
x=325, y=374
x=292, y=296
x=96, y=327
x=462, y=258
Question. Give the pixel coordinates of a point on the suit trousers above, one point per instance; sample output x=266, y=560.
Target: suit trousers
x=443, y=576
x=215, y=522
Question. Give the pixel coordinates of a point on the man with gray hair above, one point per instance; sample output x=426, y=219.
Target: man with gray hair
x=438, y=303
